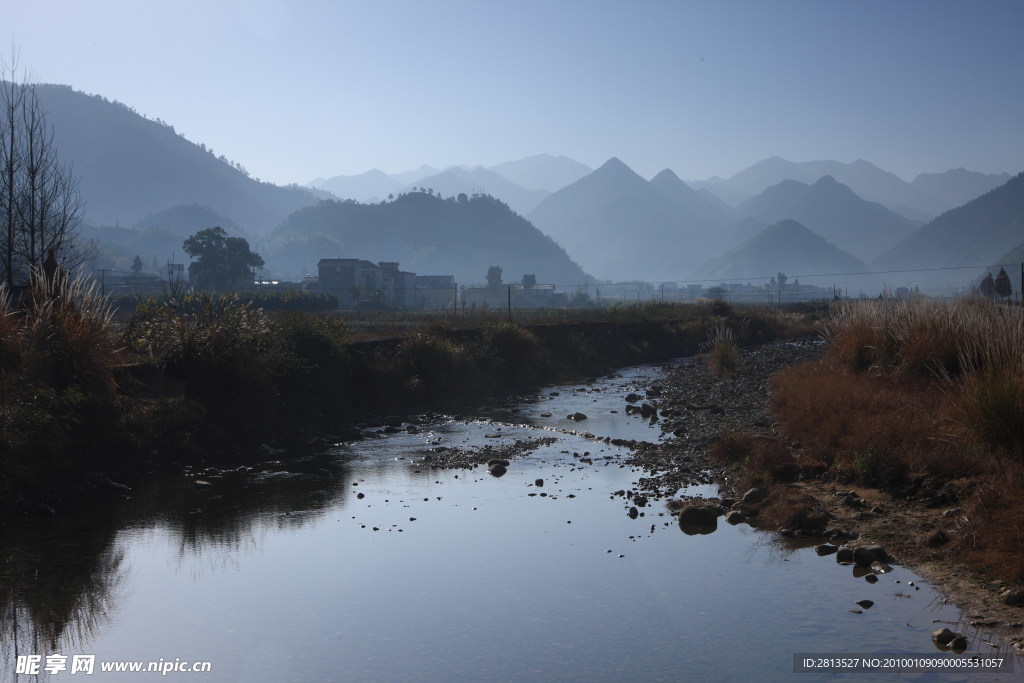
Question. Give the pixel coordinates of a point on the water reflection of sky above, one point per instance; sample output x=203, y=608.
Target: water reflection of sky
x=285, y=579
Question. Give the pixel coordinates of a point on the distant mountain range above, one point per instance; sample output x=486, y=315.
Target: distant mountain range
x=832, y=210
x=521, y=184
x=958, y=186
x=542, y=172
x=923, y=199
x=130, y=167
x=614, y=223
x=983, y=231
x=620, y=226
x=455, y=181
x=670, y=186
x=372, y=186
x=791, y=248
x=427, y=235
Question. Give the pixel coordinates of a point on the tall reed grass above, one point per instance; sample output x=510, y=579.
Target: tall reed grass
x=973, y=346
x=723, y=351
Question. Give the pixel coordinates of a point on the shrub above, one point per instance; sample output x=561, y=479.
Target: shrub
x=510, y=354
x=225, y=354
x=426, y=366
x=757, y=459
x=316, y=363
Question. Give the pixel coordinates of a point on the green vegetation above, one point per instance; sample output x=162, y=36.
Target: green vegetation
x=225, y=263
x=58, y=383
x=289, y=300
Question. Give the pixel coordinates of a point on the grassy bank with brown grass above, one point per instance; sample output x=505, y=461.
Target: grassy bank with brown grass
x=925, y=400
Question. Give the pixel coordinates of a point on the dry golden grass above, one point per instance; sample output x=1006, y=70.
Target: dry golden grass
x=974, y=347
x=868, y=423
x=923, y=390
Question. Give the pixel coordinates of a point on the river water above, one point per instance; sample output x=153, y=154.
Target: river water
x=363, y=563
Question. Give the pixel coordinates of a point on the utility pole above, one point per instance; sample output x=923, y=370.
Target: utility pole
x=103, y=281
x=510, y=303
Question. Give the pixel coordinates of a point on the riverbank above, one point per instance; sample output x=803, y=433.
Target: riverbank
x=732, y=428
x=87, y=407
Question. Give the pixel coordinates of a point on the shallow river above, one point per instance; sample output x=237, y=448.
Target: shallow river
x=362, y=563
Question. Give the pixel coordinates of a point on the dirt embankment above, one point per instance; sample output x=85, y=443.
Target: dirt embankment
x=702, y=410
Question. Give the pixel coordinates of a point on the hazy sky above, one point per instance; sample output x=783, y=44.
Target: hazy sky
x=297, y=89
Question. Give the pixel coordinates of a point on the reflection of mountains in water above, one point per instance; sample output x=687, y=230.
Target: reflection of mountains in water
x=60, y=575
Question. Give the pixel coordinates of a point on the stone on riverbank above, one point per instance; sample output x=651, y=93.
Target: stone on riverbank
x=754, y=496
x=1014, y=596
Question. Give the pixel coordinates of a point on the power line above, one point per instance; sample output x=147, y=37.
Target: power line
x=788, y=276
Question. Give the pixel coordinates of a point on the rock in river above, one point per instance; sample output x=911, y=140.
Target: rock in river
x=866, y=555
x=577, y=417
x=698, y=519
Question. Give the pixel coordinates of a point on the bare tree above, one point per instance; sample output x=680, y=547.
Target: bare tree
x=11, y=97
x=40, y=205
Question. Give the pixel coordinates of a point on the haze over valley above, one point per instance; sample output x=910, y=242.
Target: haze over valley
x=147, y=187
x=570, y=197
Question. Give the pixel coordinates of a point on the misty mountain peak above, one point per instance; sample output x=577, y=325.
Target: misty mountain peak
x=667, y=175
x=615, y=164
